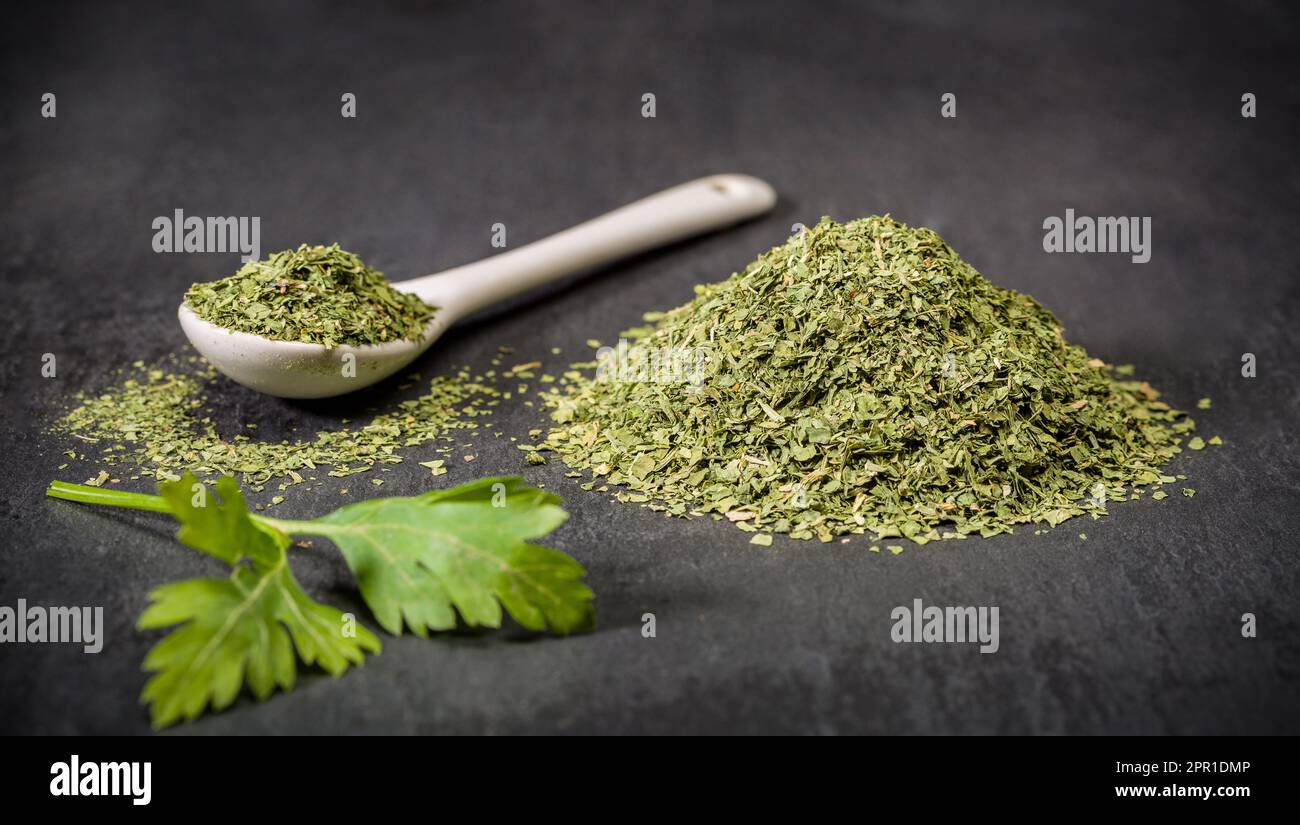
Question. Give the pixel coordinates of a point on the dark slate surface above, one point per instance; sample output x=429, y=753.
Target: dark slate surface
x=472, y=114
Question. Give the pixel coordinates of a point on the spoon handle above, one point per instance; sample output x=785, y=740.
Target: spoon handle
x=671, y=215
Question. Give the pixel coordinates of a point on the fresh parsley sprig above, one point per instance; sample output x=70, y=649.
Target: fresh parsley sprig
x=421, y=563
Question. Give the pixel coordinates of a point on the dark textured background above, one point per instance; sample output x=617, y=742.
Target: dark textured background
x=529, y=114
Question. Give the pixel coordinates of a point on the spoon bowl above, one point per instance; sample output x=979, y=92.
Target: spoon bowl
x=294, y=369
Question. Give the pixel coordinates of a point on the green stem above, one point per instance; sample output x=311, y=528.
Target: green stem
x=86, y=494
x=293, y=527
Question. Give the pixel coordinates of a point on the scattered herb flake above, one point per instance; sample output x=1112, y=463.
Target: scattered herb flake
x=157, y=420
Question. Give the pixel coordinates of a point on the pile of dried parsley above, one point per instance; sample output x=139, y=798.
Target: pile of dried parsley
x=864, y=378
x=314, y=294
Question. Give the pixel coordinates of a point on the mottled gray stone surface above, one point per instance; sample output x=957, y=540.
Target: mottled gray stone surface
x=472, y=114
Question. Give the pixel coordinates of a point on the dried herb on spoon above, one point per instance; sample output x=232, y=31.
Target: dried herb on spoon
x=313, y=294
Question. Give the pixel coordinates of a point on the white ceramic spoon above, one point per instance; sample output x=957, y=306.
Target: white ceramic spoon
x=291, y=369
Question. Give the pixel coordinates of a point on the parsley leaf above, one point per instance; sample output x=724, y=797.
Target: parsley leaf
x=235, y=629
x=240, y=627
x=224, y=531
x=465, y=548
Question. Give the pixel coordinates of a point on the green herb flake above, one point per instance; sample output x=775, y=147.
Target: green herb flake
x=435, y=466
